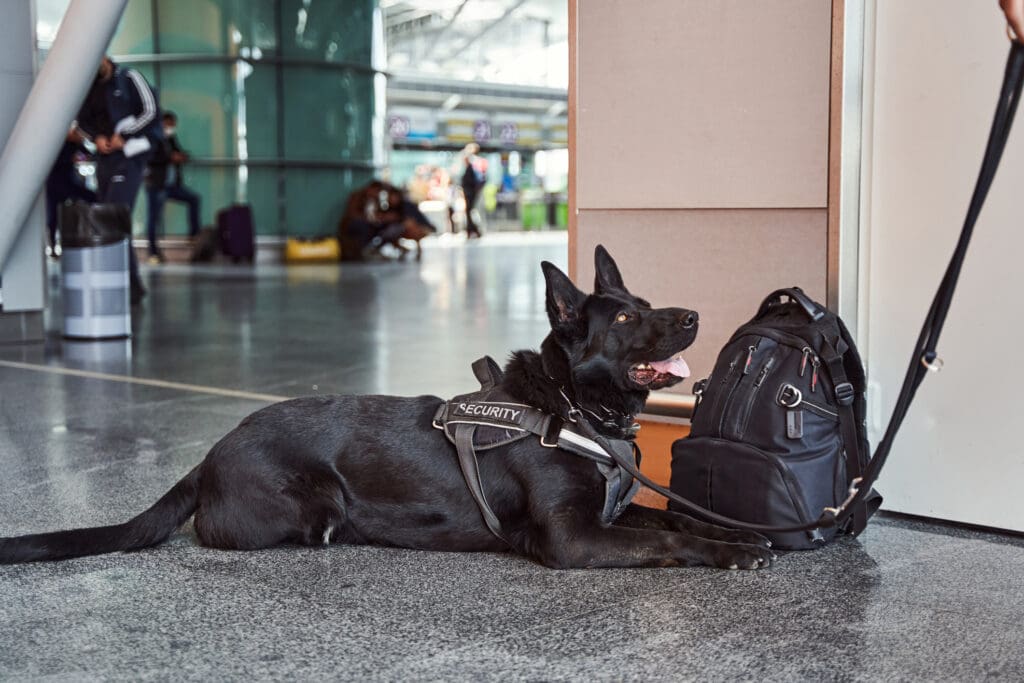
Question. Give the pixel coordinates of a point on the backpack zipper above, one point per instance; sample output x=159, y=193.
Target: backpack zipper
x=732, y=390
x=745, y=422
x=809, y=355
x=725, y=380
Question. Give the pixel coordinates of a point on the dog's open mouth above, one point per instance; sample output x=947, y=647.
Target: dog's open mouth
x=661, y=373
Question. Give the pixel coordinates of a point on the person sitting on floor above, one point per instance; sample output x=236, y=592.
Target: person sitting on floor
x=380, y=214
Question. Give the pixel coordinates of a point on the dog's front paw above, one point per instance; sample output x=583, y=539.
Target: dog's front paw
x=743, y=556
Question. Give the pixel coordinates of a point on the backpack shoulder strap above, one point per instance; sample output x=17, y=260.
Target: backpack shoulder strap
x=846, y=394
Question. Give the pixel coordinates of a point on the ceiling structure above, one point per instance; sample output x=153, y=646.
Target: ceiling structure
x=496, y=55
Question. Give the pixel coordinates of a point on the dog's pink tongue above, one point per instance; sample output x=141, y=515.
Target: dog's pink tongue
x=673, y=366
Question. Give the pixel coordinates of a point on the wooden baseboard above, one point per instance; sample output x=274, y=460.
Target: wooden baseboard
x=655, y=441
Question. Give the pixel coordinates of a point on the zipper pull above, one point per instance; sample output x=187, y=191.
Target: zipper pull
x=814, y=373
x=764, y=372
x=803, y=361
x=750, y=359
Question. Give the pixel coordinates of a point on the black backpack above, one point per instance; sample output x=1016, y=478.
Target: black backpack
x=778, y=431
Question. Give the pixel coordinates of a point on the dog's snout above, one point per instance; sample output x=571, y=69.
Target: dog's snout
x=688, y=318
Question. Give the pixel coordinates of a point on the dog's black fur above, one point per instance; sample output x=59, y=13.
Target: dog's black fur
x=372, y=469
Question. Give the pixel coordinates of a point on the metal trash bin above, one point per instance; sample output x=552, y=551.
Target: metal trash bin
x=94, y=269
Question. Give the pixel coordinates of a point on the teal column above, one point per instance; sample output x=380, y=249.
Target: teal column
x=275, y=102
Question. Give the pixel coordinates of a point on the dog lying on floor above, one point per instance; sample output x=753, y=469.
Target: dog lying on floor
x=373, y=469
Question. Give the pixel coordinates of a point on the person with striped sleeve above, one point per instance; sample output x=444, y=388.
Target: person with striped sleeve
x=121, y=117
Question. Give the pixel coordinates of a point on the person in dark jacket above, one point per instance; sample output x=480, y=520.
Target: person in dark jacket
x=472, y=183
x=164, y=182
x=120, y=115
x=64, y=183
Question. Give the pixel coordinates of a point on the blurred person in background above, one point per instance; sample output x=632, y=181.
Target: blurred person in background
x=121, y=116
x=472, y=184
x=164, y=182
x=65, y=183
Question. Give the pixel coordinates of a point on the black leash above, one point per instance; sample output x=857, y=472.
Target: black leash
x=924, y=358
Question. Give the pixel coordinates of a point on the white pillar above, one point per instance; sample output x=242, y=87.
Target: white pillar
x=54, y=100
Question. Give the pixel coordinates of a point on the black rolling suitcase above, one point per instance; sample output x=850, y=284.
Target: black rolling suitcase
x=237, y=236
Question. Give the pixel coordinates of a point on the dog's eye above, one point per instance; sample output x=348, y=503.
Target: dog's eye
x=622, y=317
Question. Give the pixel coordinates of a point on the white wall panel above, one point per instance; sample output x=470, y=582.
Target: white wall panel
x=959, y=455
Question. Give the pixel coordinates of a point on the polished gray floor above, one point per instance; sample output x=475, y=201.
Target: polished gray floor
x=907, y=601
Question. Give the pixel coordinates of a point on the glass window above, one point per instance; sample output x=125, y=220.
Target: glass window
x=327, y=31
x=135, y=32
x=316, y=198
x=216, y=27
x=328, y=114
x=217, y=103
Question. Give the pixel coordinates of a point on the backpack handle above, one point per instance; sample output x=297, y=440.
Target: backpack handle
x=813, y=310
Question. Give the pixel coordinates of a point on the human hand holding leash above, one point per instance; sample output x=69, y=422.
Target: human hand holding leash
x=1014, y=11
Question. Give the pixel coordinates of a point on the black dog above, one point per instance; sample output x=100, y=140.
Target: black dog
x=372, y=469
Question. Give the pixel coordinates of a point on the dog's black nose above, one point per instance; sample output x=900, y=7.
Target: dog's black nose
x=688, y=319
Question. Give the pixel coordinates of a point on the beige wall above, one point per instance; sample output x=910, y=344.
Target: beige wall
x=700, y=147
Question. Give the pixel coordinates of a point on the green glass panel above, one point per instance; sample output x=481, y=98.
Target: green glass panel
x=208, y=99
x=316, y=198
x=203, y=98
x=328, y=114
x=261, y=193
x=135, y=31
x=216, y=27
x=262, y=111
x=340, y=31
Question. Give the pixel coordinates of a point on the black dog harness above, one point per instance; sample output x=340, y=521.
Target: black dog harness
x=489, y=418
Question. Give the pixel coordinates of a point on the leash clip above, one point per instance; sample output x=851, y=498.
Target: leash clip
x=934, y=365
x=849, y=498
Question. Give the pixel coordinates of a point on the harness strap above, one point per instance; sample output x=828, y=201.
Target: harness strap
x=507, y=423
x=471, y=472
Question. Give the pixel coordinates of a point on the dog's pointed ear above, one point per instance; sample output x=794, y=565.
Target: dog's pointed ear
x=607, y=273
x=564, y=300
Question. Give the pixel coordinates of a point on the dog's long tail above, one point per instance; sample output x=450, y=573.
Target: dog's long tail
x=153, y=526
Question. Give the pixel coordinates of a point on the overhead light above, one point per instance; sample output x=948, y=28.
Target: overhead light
x=451, y=102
